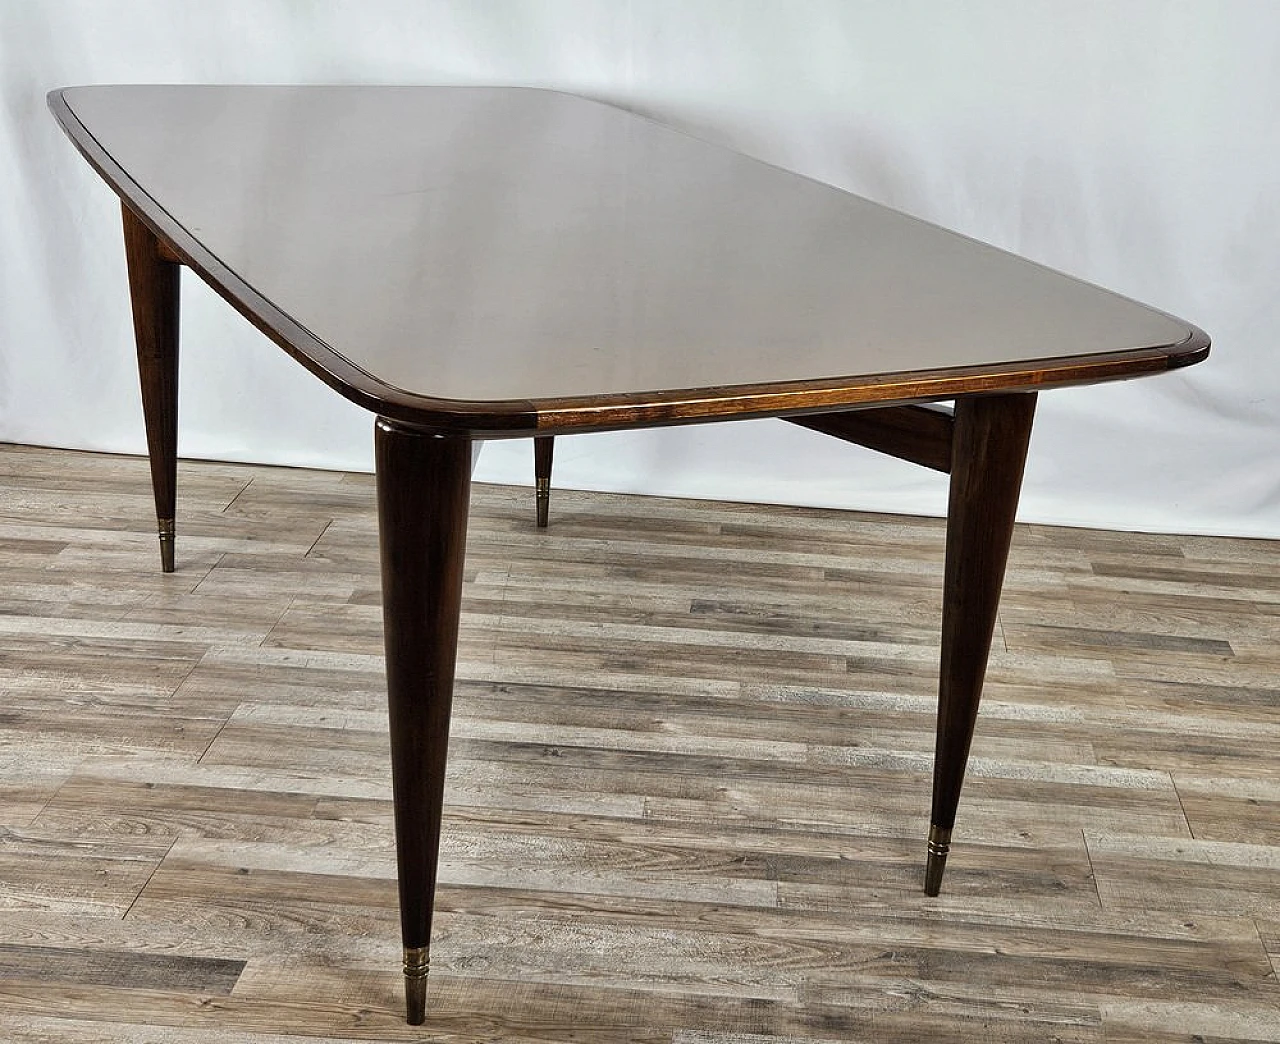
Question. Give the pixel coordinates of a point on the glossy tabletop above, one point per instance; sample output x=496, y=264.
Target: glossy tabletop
x=508, y=261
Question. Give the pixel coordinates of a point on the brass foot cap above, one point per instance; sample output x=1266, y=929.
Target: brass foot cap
x=417, y=967
x=166, y=528
x=542, y=500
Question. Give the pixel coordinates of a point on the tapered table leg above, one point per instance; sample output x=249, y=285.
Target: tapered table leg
x=543, y=448
x=153, y=287
x=424, y=481
x=988, y=454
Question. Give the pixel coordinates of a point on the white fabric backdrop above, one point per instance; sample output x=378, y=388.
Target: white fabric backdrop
x=1134, y=143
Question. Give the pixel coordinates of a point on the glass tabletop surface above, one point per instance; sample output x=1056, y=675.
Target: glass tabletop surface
x=490, y=244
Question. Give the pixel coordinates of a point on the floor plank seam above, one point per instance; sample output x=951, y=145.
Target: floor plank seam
x=150, y=876
x=328, y=524
x=208, y=572
x=226, y=509
x=1093, y=874
x=1177, y=791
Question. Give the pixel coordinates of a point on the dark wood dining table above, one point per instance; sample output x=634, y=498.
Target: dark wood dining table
x=472, y=263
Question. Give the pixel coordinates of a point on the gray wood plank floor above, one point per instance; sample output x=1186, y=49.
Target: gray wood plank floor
x=689, y=782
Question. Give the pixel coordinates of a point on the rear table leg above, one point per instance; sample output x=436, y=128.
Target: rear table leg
x=543, y=447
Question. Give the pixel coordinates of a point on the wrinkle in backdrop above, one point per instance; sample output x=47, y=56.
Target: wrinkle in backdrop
x=1132, y=145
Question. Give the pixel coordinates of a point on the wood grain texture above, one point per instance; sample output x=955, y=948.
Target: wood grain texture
x=689, y=771
x=920, y=434
x=119, y=969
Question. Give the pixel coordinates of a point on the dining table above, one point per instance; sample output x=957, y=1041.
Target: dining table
x=471, y=263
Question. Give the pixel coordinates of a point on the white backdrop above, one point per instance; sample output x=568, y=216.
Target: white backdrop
x=1134, y=143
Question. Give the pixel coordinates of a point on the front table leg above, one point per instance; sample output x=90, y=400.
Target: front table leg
x=987, y=458
x=424, y=481
x=153, y=288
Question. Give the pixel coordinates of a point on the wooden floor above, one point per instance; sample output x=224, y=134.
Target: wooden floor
x=689, y=786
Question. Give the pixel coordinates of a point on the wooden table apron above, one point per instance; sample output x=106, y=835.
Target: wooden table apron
x=423, y=463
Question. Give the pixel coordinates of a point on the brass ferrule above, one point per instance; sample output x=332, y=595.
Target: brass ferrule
x=417, y=962
x=936, y=862
x=167, y=531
